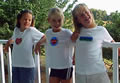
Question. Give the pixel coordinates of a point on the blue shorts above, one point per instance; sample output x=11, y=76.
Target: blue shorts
x=23, y=75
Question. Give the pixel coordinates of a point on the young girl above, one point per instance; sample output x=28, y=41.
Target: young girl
x=24, y=37
x=59, y=48
x=89, y=37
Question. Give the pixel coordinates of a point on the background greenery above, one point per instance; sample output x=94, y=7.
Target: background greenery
x=10, y=8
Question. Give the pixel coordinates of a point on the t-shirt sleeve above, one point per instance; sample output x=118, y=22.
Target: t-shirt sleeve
x=36, y=34
x=107, y=36
x=70, y=34
x=47, y=33
x=68, y=40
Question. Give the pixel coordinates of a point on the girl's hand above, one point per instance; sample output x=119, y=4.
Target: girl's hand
x=118, y=51
x=75, y=36
x=5, y=48
x=37, y=46
x=7, y=45
x=73, y=60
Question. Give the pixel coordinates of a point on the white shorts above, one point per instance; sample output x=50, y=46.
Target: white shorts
x=95, y=78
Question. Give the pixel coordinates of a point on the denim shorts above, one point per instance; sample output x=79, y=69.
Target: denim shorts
x=23, y=75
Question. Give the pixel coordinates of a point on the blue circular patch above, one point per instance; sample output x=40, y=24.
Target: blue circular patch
x=54, y=41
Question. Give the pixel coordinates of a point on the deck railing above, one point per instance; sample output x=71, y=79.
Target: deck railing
x=2, y=69
x=114, y=47
x=9, y=65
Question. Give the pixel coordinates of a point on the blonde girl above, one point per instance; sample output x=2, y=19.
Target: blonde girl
x=89, y=38
x=59, y=48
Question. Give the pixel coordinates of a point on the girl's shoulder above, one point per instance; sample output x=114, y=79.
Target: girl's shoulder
x=66, y=30
x=16, y=29
x=100, y=27
x=48, y=30
x=33, y=29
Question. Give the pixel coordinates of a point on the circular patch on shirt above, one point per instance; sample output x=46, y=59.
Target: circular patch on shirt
x=54, y=41
x=18, y=41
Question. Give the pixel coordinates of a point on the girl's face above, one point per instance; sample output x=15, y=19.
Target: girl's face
x=85, y=18
x=25, y=21
x=56, y=23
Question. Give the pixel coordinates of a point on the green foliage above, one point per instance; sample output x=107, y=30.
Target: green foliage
x=107, y=53
x=68, y=16
x=113, y=26
x=100, y=22
x=99, y=14
x=61, y=3
x=5, y=32
x=68, y=20
x=42, y=51
x=10, y=8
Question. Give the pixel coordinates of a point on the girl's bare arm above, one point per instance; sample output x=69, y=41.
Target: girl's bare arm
x=7, y=45
x=37, y=46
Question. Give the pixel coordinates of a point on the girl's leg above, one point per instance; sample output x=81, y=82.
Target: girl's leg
x=67, y=81
x=54, y=80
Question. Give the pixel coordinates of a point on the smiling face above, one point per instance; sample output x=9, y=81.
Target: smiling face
x=83, y=17
x=25, y=21
x=55, y=19
x=56, y=22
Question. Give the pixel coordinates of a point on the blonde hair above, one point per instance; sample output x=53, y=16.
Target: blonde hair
x=79, y=9
x=56, y=12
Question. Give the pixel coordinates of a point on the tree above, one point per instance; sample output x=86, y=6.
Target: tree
x=10, y=8
x=68, y=16
x=99, y=14
x=113, y=25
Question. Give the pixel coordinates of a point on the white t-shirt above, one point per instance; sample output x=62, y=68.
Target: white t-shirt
x=59, y=49
x=23, y=46
x=88, y=53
